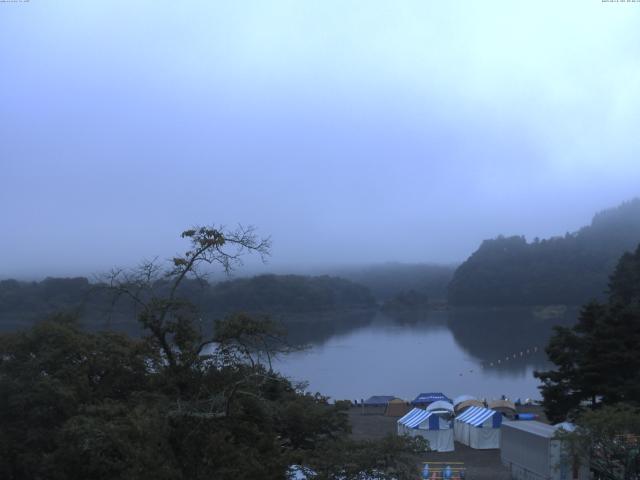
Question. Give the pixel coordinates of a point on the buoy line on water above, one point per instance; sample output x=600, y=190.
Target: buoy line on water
x=513, y=356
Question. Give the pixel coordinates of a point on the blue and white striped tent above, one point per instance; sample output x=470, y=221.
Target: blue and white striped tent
x=432, y=426
x=478, y=427
x=418, y=416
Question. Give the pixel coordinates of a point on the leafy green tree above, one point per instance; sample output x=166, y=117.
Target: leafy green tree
x=393, y=458
x=597, y=360
x=607, y=439
x=48, y=375
x=183, y=402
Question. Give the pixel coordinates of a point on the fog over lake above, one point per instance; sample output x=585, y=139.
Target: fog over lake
x=454, y=352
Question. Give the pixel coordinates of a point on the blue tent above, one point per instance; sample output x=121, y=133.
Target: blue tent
x=425, y=399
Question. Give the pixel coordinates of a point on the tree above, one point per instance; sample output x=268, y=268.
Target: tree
x=155, y=292
x=597, y=361
x=392, y=458
x=50, y=375
x=180, y=403
x=607, y=439
x=564, y=270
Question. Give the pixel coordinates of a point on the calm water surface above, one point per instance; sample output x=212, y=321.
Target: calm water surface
x=482, y=353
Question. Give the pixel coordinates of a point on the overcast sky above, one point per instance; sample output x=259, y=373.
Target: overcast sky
x=348, y=131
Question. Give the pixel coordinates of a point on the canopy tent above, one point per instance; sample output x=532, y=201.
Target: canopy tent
x=397, y=408
x=505, y=407
x=378, y=400
x=478, y=427
x=440, y=406
x=462, y=406
x=429, y=425
x=425, y=399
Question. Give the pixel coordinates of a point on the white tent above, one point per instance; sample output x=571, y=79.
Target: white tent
x=478, y=428
x=429, y=425
x=441, y=406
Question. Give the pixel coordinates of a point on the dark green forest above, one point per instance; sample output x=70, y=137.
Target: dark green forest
x=287, y=293
x=407, y=300
x=22, y=303
x=597, y=360
x=387, y=280
x=568, y=270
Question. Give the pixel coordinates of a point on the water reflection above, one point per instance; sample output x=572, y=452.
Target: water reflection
x=483, y=352
x=508, y=339
x=318, y=328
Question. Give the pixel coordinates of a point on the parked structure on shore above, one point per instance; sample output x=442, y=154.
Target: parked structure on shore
x=532, y=451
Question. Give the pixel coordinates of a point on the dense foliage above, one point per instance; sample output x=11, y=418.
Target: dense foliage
x=183, y=402
x=569, y=270
x=288, y=293
x=103, y=406
x=608, y=440
x=28, y=301
x=407, y=300
x=22, y=303
x=390, y=279
x=598, y=360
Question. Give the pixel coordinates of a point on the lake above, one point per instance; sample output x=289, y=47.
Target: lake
x=353, y=355
x=486, y=353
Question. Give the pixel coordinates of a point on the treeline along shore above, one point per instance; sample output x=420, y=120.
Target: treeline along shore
x=504, y=272
x=283, y=296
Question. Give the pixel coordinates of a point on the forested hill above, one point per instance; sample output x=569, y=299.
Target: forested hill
x=388, y=280
x=287, y=293
x=23, y=303
x=568, y=270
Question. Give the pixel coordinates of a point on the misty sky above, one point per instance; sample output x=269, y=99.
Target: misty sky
x=348, y=131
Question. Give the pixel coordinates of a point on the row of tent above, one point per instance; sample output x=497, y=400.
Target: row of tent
x=465, y=420
x=477, y=427
x=422, y=400
x=396, y=407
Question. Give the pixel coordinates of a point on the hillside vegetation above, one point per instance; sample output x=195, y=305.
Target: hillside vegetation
x=388, y=280
x=23, y=303
x=287, y=293
x=570, y=270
